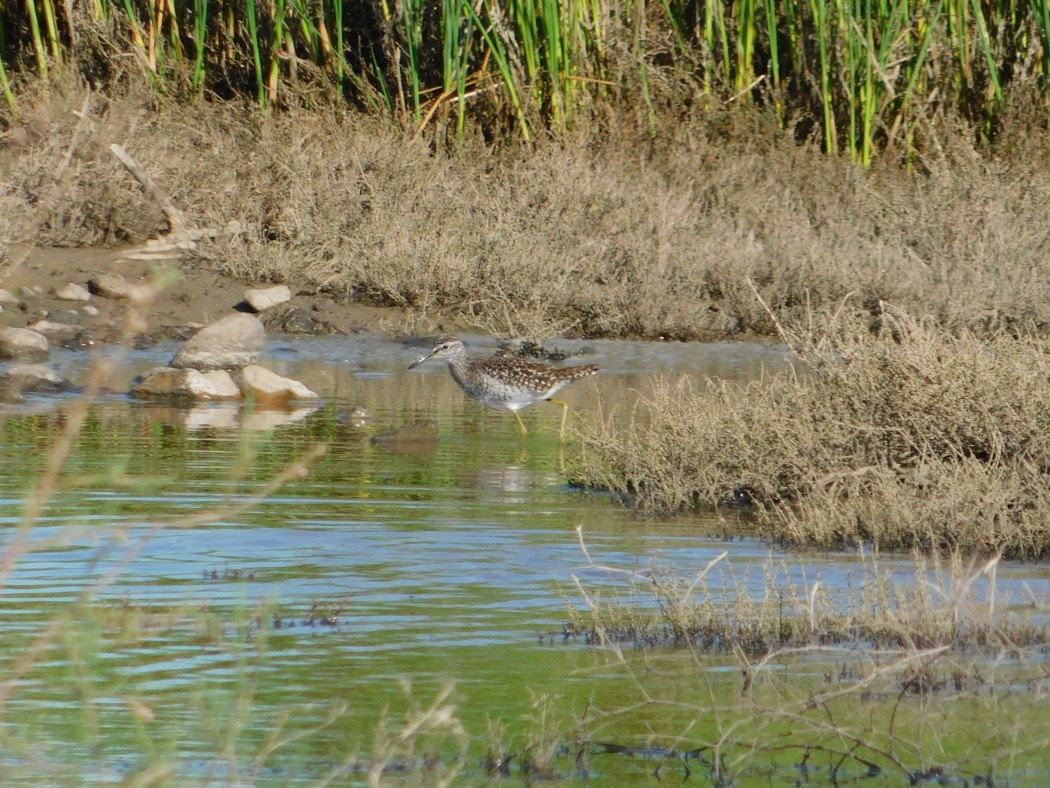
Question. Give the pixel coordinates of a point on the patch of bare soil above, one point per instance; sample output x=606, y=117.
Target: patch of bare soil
x=197, y=296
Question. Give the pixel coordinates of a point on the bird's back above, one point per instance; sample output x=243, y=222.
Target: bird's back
x=513, y=383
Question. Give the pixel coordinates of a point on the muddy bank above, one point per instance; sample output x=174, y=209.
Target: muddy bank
x=196, y=296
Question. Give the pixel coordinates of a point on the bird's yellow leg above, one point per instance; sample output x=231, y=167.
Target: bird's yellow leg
x=564, y=415
x=521, y=424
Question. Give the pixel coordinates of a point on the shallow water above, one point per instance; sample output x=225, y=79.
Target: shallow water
x=432, y=561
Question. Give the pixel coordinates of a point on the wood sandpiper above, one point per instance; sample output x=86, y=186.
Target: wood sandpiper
x=506, y=383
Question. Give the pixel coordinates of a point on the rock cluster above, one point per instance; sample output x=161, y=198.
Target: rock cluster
x=218, y=362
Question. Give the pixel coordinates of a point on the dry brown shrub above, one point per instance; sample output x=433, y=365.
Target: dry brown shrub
x=930, y=440
x=604, y=233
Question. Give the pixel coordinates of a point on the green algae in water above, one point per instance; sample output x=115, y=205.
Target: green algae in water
x=405, y=610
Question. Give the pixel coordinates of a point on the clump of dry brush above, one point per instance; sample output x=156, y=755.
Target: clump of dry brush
x=909, y=437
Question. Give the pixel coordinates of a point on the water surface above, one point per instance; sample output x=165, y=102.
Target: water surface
x=387, y=573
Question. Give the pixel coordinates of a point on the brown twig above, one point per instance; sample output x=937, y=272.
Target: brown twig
x=175, y=217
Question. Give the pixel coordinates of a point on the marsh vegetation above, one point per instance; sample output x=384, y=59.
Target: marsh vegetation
x=909, y=438
x=868, y=184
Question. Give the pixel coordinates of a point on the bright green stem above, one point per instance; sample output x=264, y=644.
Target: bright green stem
x=275, y=49
x=8, y=95
x=52, y=30
x=253, y=34
x=819, y=9
x=337, y=8
x=200, y=32
x=38, y=44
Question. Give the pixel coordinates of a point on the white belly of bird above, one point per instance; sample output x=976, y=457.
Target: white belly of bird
x=510, y=399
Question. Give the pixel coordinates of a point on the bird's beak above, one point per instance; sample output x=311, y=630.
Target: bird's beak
x=420, y=360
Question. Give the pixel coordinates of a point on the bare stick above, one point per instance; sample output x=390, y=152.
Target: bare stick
x=176, y=221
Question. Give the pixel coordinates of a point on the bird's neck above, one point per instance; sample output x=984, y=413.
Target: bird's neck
x=457, y=365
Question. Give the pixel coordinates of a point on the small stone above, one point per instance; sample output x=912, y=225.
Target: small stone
x=292, y=320
x=358, y=416
x=70, y=317
x=168, y=382
x=113, y=286
x=267, y=386
x=91, y=311
x=56, y=332
x=73, y=292
x=7, y=297
x=232, y=342
x=261, y=299
x=23, y=344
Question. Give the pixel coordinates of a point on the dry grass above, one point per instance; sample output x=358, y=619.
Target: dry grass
x=950, y=604
x=933, y=442
x=606, y=233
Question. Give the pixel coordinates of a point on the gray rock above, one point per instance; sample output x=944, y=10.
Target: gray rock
x=56, y=332
x=70, y=317
x=188, y=383
x=261, y=299
x=233, y=342
x=269, y=387
x=117, y=288
x=22, y=344
x=33, y=379
x=112, y=286
x=73, y=292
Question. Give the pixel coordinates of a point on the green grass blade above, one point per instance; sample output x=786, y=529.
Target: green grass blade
x=253, y=34
x=9, y=96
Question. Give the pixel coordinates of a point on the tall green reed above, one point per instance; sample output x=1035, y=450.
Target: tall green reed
x=869, y=73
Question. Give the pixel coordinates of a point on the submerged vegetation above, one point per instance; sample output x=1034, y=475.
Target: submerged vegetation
x=868, y=677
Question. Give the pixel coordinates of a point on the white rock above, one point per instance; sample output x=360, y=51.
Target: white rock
x=168, y=382
x=7, y=297
x=267, y=386
x=223, y=383
x=22, y=343
x=73, y=292
x=261, y=299
x=233, y=342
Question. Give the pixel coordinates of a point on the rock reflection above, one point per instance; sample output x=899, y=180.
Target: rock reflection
x=228, y=416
